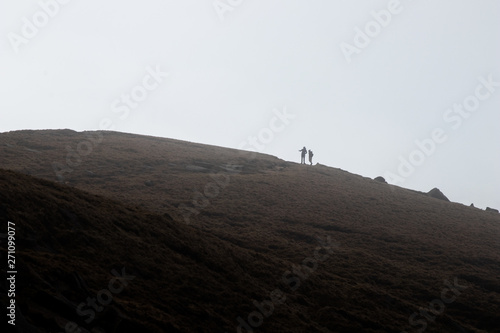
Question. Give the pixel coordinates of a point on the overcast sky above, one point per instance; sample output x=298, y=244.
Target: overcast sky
x=358, y=82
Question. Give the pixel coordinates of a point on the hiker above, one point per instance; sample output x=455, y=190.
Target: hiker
x=303, y=153
x=311, y=156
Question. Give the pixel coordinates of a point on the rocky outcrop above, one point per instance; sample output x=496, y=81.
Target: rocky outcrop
x=436, y=193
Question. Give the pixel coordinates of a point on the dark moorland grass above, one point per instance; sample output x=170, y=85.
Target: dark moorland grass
x=252, y=219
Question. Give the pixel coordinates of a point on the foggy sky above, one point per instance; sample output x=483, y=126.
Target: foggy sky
x=404, y=89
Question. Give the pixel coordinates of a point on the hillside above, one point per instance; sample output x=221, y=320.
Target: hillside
x=209, y=233
x=69, y=242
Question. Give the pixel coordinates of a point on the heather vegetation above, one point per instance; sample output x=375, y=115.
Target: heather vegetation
x=172, y=236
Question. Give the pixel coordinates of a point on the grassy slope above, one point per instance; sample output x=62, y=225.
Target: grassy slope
x=65, y=235
x=395, y=247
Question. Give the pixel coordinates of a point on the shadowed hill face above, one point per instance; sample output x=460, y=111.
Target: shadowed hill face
x=70, y=244
x=248, y=219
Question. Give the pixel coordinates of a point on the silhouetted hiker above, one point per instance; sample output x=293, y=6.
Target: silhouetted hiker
x=303, y=153
x=311, y=156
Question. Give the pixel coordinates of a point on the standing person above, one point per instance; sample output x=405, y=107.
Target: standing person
x=311, y=156
x=303, y=153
